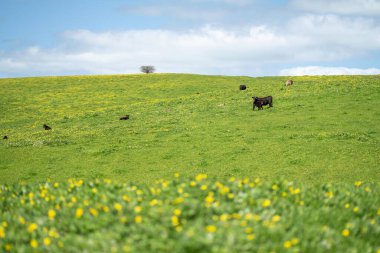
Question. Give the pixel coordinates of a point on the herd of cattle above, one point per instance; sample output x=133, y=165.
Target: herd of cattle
x=259, y=102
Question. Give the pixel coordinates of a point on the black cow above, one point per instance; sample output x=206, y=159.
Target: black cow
x=46, y=127
x=124, y=117
x=259, y=102
x=242, y=87
x=5, y=137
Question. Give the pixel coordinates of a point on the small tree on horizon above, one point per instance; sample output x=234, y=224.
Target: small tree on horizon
x=147, y=69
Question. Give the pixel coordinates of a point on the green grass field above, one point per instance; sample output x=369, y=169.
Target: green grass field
x=95, y=183
x=322, y=129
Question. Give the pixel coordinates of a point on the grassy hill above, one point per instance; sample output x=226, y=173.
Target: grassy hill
x=322, y=129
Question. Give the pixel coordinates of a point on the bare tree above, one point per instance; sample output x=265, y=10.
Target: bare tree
x=147, y=69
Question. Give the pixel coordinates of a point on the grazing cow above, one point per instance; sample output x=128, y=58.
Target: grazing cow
x=5, y=137
x=46, y=127
x=124, y=117
x=242, y=87
x=289, y=82
x=259, y=102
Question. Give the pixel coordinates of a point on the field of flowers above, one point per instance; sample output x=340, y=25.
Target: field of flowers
x=189, y=214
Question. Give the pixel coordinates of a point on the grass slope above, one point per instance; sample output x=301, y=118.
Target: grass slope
x=322, y=129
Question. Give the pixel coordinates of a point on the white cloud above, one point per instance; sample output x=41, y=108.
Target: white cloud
x=318, y=70
x=209, y=50
x=345, y=7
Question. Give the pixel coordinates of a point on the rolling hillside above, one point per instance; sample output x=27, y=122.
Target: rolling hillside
x=321, y=129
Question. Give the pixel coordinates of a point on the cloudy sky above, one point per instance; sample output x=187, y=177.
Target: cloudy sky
x=223, y=37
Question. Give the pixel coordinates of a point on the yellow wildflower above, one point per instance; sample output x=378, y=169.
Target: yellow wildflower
x=126, y=198
x=94, y=190
x=137, y=209
x=177, y=212
x=201, y=177
x=347, y=205
x=4, y=224
x=358, y=183
x=378, y=211
x=176, y=175
x=175, y=220
x=47, y=241
x=266, y=203
x=79, y=212
x=21, y=220
x=204, y=187
x=178, y=200
x=2, y=232
x=34, y=243
x=211, y=229
x=8, y=247
x=248, y=230
x=209, y=199
x=118, y=207
x=138, y=219
x=287, y=244
x=250, y=237
x=276, y=218
x=51, y=214
x=74, y=199
x=294, y=241
x=345, y=232
x=356, y=209
x=153, y=202
x=224, y=217
x=32, y=227
x=94, y=212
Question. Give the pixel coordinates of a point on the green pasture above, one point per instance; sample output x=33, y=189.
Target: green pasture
x=321, y=129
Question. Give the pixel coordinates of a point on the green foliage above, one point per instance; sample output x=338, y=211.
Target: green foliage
x=189, y=215
x=321, y=129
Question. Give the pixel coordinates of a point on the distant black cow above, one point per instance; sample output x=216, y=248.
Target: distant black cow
x=5, y=137
x=242, y=87
x=46, y=127
x=124, y=117
x=259, y=102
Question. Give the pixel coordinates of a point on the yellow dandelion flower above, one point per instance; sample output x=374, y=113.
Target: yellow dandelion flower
x=105, y=209
x=177, y=212
x=175, y=220
x=118, y=207
x=47, y=241
x=256, y=217
x=274, y=187
x=211, y=229
x=358, y=183
x=94, y=212
x=176, y=175
x=4, y=224
x=32, y=227
x=8, y=247
x=345, y=232
x=192, y=183
x=201, y=177
x=74, y=199
x=138, y=219
x=243, y=223
x=356, y=209
x=287, y=244
x=294, y=241
x=250, y=237
x=209, y=199
x=21, y=220
x=51, y=214
x=34, y=243
x=79, y=212
x=56, y=185
x=2, y=232
x=137, y=209
x=276, y=218
x=204, y=187
x=178, y=200
x=248, y=230
x=178, y=229
x=266, y=203
x=231, y=195
x=126, y=198
x=153, y=202
x=347, y=205
x=224, y=217
x=123, y=220
x=94, y=190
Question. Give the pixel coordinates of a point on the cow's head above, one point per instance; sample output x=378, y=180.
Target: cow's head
x=254, y=98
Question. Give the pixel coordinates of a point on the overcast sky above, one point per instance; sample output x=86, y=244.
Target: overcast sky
x=222, y=37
